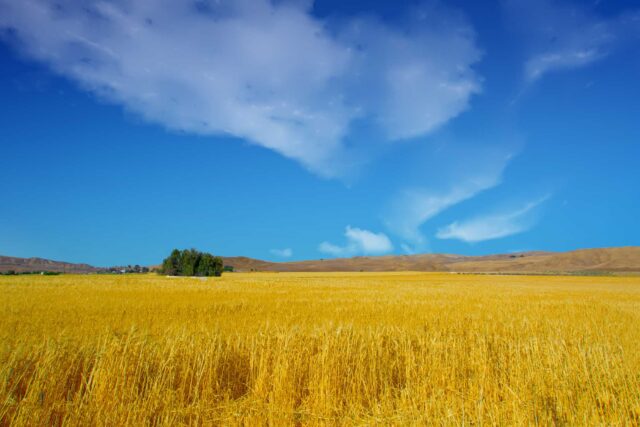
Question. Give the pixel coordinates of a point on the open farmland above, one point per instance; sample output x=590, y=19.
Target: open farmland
x=320, y=349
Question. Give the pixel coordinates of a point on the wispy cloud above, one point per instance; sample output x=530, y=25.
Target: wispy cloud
x=359, y=241
x=265, y=71
x=542, y=63
x=412, y=207
x=565, y=35
x=282, y=253
x=493, y=226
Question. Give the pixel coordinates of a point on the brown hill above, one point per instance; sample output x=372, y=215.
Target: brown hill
x=427, y=262
x=623, y=259
x=21, y=265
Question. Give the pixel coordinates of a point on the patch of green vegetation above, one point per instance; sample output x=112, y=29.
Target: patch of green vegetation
x=21, y=273
x=190, y=262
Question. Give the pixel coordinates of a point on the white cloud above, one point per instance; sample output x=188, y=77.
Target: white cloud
x=282, y=253
x=492, y=226
x=267, y=72
x=412, y=207
x=408, y=249
x=542, y=63
x=359, y=241
x=335, y=250
x=565, y=35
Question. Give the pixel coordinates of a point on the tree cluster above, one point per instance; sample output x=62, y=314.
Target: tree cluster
x=190, y=262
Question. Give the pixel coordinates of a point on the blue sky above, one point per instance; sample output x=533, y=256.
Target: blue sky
x=296, y=130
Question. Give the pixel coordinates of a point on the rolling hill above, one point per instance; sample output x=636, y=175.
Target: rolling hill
x=622, y=259
x=21, y=265
x=601, y=260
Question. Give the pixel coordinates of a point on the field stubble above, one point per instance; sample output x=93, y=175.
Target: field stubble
x=320, y=349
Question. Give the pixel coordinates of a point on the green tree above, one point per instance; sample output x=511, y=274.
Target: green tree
x=209, y=265
x=190, y=262
x=218, y=267
x=171, y=264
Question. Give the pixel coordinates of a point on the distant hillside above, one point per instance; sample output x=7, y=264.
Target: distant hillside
x=624, y=259
x=243, y=263
x=616, y=260
x=20, y=265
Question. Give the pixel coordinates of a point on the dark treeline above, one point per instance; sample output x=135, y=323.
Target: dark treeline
x=190, y=262
x=20, y=273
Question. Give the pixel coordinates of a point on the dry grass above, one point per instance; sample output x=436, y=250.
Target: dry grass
x=320, y=349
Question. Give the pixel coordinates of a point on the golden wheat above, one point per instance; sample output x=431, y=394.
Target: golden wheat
x=320, y=349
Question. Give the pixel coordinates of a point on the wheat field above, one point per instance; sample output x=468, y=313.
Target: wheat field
x=320, y=349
